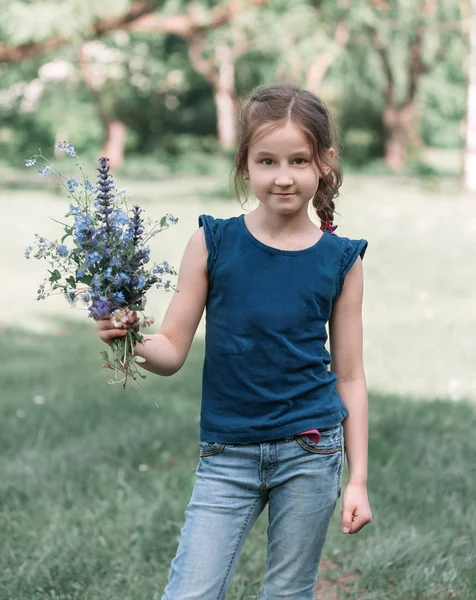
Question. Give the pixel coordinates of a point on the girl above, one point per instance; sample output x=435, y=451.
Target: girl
x=274, y=419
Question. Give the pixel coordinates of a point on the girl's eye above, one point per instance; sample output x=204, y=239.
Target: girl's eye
x=267, y=161
x=300, y=161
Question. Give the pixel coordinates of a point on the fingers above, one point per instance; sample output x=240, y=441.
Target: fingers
x=352, y=522
x=107, y=330
x=347, y=521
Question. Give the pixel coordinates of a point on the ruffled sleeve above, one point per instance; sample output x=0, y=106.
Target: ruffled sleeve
x=211, y=230
x=352, y=250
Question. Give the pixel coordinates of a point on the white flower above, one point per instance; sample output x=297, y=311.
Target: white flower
x=122, y=316
x=143, y=468
x=38, y=400
x=20, y=413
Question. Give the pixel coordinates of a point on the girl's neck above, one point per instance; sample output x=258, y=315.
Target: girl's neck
x=274, y=225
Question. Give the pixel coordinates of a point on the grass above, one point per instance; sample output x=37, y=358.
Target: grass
x=96, y=479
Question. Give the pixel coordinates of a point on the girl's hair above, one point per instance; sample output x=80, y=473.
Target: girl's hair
x=273, y=105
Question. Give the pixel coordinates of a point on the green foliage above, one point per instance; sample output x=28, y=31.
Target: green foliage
x=151, y=86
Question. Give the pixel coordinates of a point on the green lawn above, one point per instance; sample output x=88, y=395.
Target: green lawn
x=95, y=480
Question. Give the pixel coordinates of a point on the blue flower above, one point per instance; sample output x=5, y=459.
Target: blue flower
x=29, y=162
x=71, y=184
x=172, y=220
x=119, y=217
x=81, y=271
x=73, y=209
x=45, y=170
x=141, y=282
x=62, y=250
x=89, y=186
x=41, y=240
x=119, y=297
x=93, y=258
x=70, y=151
x=28, y=250
x=115, y=261
x=121, y=278
x=96, y=281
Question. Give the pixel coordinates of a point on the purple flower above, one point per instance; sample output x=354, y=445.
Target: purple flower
x=99, y=309
x=28, y=250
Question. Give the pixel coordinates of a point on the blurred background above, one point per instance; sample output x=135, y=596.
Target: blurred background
x=96, y=478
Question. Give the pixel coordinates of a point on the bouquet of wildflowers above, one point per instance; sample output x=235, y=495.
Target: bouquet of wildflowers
x=105, y=266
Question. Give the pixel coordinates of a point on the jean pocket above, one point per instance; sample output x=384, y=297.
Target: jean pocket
x=210, y=448
x=330, y=441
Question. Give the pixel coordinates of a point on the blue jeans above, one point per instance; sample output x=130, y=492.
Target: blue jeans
x=298, y=479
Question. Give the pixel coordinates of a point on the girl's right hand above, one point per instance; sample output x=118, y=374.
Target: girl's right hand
x=108, y=331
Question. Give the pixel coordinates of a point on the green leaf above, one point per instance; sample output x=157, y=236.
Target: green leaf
x=55, y=275
x=105, y=356
x=163, y=221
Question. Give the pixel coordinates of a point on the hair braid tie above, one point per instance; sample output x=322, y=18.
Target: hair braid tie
x=328, y=226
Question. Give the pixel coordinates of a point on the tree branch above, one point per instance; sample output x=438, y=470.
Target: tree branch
x=382, y=51
x=188, y=25
x=12, y=54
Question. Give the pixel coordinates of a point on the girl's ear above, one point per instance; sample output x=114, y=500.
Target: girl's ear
x=245, y=172
x=332, y=154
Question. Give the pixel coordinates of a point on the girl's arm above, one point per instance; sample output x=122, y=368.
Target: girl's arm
x=165, y=352
x=346, y=343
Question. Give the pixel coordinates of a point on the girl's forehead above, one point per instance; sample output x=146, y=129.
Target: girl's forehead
x=273, y=135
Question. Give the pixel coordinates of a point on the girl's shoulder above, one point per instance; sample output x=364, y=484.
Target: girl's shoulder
x=346, y=251
x=214, y=226
x=214, y=230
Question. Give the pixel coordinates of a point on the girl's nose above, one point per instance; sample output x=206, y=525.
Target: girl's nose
x=283, y=179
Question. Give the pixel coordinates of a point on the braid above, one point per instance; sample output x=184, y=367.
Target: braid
x=323, y=202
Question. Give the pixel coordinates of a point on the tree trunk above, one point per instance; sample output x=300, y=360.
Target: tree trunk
x=114, y=130
x=469, y=168
x=400, y=129
x=114, y=143
x=225, y=97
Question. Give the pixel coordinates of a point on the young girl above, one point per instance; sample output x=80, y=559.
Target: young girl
x=274, y=419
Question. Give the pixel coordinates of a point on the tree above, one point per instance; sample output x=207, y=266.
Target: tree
x=140, y=16
x=469, y=164
x=410, y=37
x=212, y=53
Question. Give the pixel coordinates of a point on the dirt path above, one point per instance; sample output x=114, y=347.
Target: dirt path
x=333, y=584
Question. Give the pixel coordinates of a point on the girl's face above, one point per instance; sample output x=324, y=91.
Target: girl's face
x=281, y=169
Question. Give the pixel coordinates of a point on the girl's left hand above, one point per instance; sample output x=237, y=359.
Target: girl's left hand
x=355, y=508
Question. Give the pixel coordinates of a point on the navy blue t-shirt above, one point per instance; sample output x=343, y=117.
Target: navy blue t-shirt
x=266, y=369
